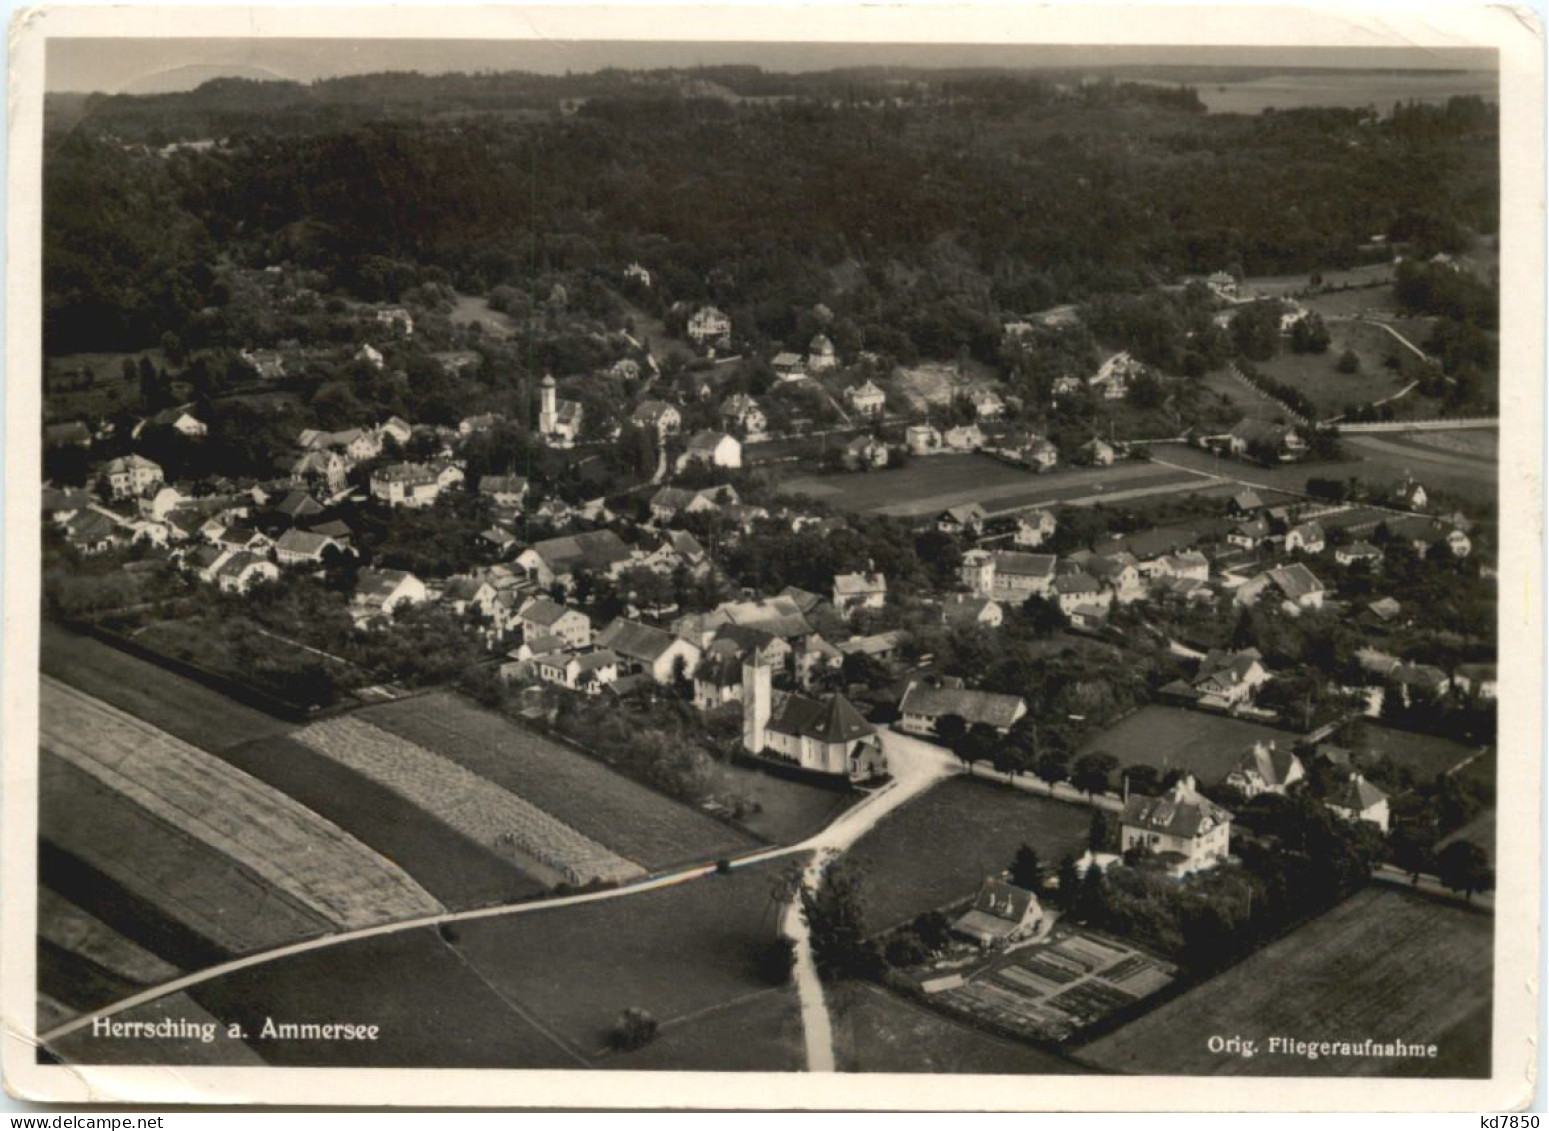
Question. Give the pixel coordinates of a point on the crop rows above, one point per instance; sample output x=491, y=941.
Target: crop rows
x=282, y=842
x=468, y=803
x=69, y=928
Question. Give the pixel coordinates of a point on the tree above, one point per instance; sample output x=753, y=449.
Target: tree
x=1144, y=779
x=1348, y=362
x=1053, y=765
x=775, y=960
x=1069, y=881
x=634, y=1029
x=1092, y=772
x=1464, y=866
x=1100, y=832
x=1026, y=871
x=950, y=729
x=834, y=912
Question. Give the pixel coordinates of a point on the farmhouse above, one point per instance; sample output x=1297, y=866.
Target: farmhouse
x=827, y=737
x=329, y=470
x=298, y=505
x=670, y=502
x=1186, y=831
x=92, y=531
x=641, y=648
x=555, y=559
x=1230, y=678
x=303, y=547
x=559, y=422
x=865, y=399
x=1015, y=576
x=130, y=475
x=711, y=449
x=1354, y=552
x=856, y=591
x=1265, y=769
x=587, y=673
x=924, y=705
x=1075, y=591
x=1001, y=913
x=863, y=452
x=1358, y=800
x=718, y=678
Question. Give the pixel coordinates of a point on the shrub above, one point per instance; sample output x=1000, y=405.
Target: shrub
x=634, y=1029
x=775, y=960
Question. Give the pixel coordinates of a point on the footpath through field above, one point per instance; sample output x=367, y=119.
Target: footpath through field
x=916, y=766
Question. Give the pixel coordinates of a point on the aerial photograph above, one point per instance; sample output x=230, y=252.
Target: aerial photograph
x=714, y=557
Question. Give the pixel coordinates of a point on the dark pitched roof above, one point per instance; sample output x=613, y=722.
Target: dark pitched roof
x=1357, y=794
x=1024, y=565
x=1295, y=581
x=635, y=640
x=1181, y=812
x=987, y=707
x=835, y=720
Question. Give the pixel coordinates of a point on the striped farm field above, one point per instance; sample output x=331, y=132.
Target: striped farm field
x=281, y=842
x=155, y=884
x=636, y=822
x=472, y=805
x=68, y=927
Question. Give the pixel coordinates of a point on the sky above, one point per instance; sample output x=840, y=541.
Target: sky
x=146, y=66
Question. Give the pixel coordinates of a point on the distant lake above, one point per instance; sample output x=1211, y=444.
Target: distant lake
x=1348, y=88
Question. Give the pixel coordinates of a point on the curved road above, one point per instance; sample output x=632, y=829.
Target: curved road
x=916, y=766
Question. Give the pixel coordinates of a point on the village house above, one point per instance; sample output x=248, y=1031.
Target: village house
x=559, y=422
x=474, y=425
x=356, y=443
x=1001, y=913
x=242, y=569
x=558, y=559
x=1298, y=585
x=1080, y=592
x=866, y=399
x=923, y=706
x=130, y=475
x=670, y=502
x=368, y=354
x=825, y=737
x=922, y=439
x=1034, y=529
x=405, y=485
x=541, y=616
x=1113, y=377
x=158, y=501
x=1183, y=829
x=987, y=404
x=328, y=470
x=1249, y=534
x=1230, y=679
x=788, y=366
x=963, y=609
x=1265, y=768
x=854, y=592
x=92, y=531
x=587, y=673
x=508, y=491
x=1245, y=502
x=820, y=354
x=381, y=592
x=1411, y=494
x=709, y=326
x=815, y=657
x=741, y=413
x=1191, y=565
x=711, y=449
x=304, y=547
x=1358, y=800
x=635, y=273
x=1306, y=539
x=1478, y=680
x=396, y=319
x=641, y=648
x=1120, y=573
x=298, y=506
x=963, y=438
x=964, y=520
x=180, y=420
x=1011, y=576
x=658, y=417
x=1353, y=552
x=865, y=452
x=1098, y=452
x=1251, y=435
x=1040, y=454
x=718, y=678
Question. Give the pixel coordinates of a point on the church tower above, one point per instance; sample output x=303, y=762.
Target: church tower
x=548, y=410
x=757, y=692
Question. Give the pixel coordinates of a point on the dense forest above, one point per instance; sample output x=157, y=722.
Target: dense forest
x=921, y=207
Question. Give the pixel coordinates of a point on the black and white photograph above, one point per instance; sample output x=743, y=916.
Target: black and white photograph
x=878, y=561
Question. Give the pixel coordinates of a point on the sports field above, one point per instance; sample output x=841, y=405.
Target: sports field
x=939, y=847
x=927, y=486
x=1205, y=745
x=1385, y=965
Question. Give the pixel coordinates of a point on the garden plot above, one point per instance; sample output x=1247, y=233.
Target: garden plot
x=281, y=842
x=472, y=805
